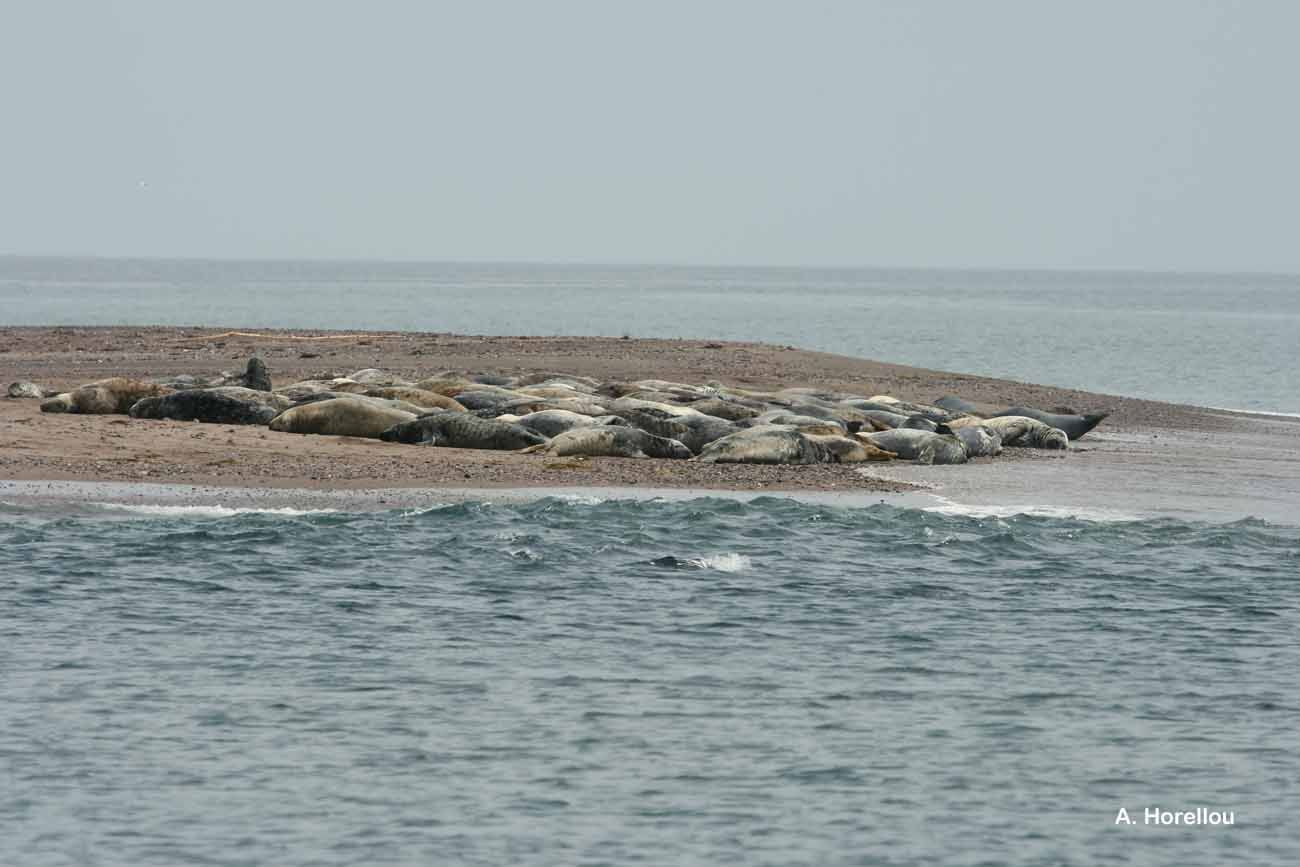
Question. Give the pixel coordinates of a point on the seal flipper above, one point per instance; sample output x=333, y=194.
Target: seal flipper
x=1091, y=420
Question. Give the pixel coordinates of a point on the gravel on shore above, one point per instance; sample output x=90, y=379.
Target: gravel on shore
x=34, y=445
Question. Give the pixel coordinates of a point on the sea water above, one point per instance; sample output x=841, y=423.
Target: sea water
x=688, y=681
x=1214, y=340
x=588, y=681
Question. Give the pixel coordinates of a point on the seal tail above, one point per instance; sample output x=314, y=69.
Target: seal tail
x=528, y=450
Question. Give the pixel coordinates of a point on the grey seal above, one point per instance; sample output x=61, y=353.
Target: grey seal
x=582, y=383
x=340, y=416
x=233, y=405
x=958, y=405
x=617, y=442
x=27, y=389
x=893, y=404
x=460, y=430
x=693, y=431
x=980, y=441
x=925, y=447
x=484, y=399
x=850, y=449
x=417, y=396
x=898, y=407
x=1019, y=430
x=553, y=422
x=579, y=404
x=920, y=422
x=623, y=405
x=388, y=403
x=493, y=379
x=725, y=409
x=1074, y=425
x=885, y=418
x=809, y=424
x=113, y=396
x=768, y=444
x=255, y=375
x=553, y=392
x=372, y=376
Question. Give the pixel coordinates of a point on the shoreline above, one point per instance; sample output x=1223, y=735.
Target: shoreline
x=1165, y=448
x=180, y=498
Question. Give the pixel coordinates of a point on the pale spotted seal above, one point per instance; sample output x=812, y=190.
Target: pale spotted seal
x=1020, y=430
x=113, y=396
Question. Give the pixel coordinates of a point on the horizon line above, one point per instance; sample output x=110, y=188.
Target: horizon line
x=629, y=263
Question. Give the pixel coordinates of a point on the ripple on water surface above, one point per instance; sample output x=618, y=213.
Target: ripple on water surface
x=570, y=681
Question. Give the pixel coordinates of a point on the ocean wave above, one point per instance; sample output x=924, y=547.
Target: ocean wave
x=215, y=511
x=577, y=499
x=945, y=506
x=425, y=510
x=728, y=562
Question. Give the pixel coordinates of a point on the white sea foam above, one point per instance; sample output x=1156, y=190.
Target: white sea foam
x=944, y=506
x=424, y=510
x=1267, y=412
x=728, y=562
x=578, y=499
x=206, y=511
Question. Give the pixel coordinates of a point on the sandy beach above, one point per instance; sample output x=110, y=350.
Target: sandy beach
x=1216, y=455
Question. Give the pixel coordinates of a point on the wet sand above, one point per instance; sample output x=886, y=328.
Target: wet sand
x=1148, y=456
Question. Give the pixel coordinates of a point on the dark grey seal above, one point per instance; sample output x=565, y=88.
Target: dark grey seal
x=496, y=401
x=1074, y=426
x=920, y=422
x=459, y=430
x=255, y=376
x=956, y=404
x=693, y=431
x=206, y=405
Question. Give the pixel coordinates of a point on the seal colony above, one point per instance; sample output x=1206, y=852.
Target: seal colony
x=565, y=415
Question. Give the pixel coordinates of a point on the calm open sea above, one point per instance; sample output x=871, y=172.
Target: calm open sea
x=1214, y=340
x=688, y=682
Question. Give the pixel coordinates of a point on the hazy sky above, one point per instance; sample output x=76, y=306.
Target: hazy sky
x=1160, y=135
